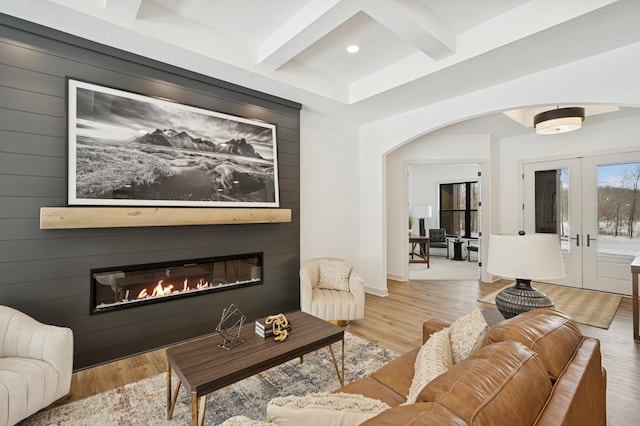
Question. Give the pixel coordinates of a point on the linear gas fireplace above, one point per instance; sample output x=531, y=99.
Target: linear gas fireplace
x=134, y=285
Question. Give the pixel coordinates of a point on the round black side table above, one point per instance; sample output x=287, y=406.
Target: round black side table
x=457, y=250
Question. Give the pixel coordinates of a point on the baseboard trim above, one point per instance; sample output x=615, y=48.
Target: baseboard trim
x=395, y=277
x=377, y=291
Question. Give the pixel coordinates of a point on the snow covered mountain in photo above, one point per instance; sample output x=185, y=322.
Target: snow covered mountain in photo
x=182, y=140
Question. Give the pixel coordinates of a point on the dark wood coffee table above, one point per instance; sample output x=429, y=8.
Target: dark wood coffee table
x=202, y=367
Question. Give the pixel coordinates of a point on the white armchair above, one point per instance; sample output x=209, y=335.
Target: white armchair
x=332, y=290
x=36, y=363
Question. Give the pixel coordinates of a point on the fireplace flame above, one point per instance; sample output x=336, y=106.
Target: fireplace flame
x=158, y=290
x=161, y=290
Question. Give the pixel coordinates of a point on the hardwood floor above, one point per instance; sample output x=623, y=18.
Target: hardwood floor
x=396, y=321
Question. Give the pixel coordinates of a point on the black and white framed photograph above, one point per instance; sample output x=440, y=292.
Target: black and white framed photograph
x=127, y=149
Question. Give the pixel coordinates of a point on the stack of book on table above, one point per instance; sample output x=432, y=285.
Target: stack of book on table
x=265, y=331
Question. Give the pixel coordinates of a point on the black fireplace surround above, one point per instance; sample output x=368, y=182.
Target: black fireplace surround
x=123, y=287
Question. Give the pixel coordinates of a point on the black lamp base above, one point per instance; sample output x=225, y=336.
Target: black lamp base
x=521, y=298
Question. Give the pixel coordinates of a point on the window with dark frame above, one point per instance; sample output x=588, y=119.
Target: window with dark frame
x=459, y=208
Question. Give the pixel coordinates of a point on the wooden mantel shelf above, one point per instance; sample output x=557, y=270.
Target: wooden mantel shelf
x=117, y=217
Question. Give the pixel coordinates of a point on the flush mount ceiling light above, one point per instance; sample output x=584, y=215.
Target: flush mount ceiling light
x=559, y=120
x=353, y=48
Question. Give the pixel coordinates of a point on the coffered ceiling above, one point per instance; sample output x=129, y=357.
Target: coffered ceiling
x=412, y=52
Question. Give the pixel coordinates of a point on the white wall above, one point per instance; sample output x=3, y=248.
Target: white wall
x=397, y=212
x=609, y=78
x=328, y=188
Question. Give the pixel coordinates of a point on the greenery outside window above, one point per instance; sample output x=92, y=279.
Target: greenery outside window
x=459, y=208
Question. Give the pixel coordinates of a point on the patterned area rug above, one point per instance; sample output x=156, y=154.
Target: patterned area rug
x=144, y=402
x=588, y=307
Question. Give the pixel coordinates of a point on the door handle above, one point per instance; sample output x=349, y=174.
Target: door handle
x=577, y=238
x=589, y=239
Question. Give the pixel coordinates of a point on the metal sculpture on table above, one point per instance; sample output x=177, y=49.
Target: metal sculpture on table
x=230, y=326
x=279, y=323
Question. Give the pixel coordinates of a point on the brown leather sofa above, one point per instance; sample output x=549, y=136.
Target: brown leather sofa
x=533, y=369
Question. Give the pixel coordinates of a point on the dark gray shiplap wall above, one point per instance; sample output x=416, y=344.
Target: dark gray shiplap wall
x=45, y=273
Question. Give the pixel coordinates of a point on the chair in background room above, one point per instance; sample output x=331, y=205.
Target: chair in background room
x=332, y=290
x=438, y=239
x=472, y=246
x=36, y=363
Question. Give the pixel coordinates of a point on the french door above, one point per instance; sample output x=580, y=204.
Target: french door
x=593, y=204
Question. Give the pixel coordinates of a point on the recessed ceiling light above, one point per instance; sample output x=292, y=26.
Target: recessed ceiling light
x=353, y=48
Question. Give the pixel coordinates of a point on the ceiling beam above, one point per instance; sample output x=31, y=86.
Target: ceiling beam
x=409, y=20
x=314, y=21
x=415, y=24
x=125, y=8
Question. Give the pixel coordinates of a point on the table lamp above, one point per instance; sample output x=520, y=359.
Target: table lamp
x=423, y=212
x=524, y=257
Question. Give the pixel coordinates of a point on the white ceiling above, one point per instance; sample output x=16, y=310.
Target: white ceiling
x=412, y=52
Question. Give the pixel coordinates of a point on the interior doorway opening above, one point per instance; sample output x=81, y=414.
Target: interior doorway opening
x=425, y=183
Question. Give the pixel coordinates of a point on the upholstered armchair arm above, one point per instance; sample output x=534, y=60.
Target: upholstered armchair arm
x=55, y=345
x=306, y=287
x=356, y=287
x=24, y=337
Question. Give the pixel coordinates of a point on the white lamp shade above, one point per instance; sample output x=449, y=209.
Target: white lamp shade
x=530, y=256
x=422, y=211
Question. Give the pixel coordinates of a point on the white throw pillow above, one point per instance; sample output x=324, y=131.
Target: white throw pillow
x=433, y=359
x=323, y=409
x=466, y=334
x=243, y=421
x=334, y=274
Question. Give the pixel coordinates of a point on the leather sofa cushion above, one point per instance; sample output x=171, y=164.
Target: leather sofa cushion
x=390, y=383
x=372, y=388
x=547, y=331
x=424, y=413
x=505, y=383
x=579, y=397
x=398, y=374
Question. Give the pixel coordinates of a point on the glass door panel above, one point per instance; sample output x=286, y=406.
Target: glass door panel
x=618, y=218
x=551, y=188
x=611, y=220
x=552, y=196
